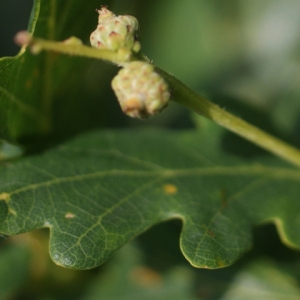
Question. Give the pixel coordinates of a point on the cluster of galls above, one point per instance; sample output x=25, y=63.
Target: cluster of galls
x=141, y=91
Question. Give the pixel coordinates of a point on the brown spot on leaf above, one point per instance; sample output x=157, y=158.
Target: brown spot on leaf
x=211, y=233
x=170, y=189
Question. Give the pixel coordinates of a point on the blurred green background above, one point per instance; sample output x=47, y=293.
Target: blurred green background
x=244, y=55
x=247, y=51
x=238, y=50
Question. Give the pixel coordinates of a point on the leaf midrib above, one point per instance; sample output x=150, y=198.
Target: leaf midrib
x=267, y=172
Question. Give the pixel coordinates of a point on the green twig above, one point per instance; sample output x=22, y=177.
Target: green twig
x=73, y=46
x=181, y=94
x=186, y=97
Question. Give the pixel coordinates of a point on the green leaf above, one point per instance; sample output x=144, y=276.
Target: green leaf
x=20, y=82
x=102, y=189
x=33, y=87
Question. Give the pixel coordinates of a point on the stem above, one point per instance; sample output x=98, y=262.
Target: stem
x=182, y=94
x=186, y=97
x=73, y=46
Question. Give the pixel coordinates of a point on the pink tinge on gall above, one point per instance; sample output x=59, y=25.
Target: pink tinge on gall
x=115, y=32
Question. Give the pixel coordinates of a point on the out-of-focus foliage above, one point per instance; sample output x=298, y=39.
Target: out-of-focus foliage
x=243, y=49
x=14, y=267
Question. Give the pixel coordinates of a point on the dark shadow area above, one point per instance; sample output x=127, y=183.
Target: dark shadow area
x=160, y=245
x=14, y=16
x=260, y=118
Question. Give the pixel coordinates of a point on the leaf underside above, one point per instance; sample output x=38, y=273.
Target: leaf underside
x=102, y=189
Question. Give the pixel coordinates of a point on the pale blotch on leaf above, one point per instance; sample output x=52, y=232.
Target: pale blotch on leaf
x=220, y=262
x=170, y=189
x=12, y=212
x=5, y=197
x=69, y=216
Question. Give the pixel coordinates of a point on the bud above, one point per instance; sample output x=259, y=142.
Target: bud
x=141, y=91
x=115, y=32
x=22, y=38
